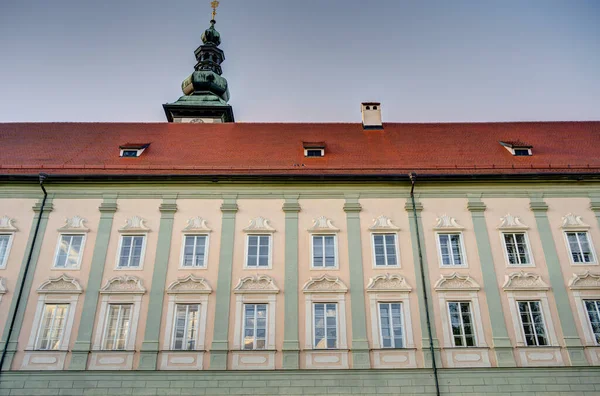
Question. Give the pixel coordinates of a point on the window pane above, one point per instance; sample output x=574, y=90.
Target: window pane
x=318, y=251
x=126, y=243
x=329, y=251
x=255, y=326
x=117, y=326
x=445, y=249
x=52, y=326
x=593, y=310
x=325, y=325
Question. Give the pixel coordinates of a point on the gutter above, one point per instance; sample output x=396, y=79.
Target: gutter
x=413, y=179
x=41, y=177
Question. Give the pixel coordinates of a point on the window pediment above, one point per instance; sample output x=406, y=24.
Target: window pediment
x=189, y=285
x=456, y=282
x=323, y=225
x=259, y=225
x=325, y=284
x=258, y=284
x=7, y=224
x=74, y=224
x=510, y=222
x=125, y=284
x=585, y=281
x=383, y=223
x=573, y=222
x=388, y=283
x=524, y=281
x=196, y=224
x=135, y=224
x=62, y=284
x=447, y=223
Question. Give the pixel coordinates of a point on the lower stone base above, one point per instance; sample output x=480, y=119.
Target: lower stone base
x=482, y=381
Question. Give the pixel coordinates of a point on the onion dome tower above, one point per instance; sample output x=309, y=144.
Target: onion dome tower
x=205, y=91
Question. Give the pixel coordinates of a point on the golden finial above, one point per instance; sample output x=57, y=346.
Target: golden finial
x=214, y=4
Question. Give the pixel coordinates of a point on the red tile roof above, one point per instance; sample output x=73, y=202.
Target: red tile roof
x=277, y=149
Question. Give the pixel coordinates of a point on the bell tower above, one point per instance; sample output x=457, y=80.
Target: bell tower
x=205, y=92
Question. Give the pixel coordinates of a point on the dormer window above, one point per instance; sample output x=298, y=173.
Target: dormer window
x=314, y=149
x=132, y=150
x=517, y=148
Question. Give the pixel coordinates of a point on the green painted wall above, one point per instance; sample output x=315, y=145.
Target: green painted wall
x=291, y=343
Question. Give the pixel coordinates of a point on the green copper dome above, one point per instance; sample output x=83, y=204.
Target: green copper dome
x=211, y=36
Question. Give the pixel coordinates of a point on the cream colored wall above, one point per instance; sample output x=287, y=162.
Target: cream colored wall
x=21, y=211
x=456, y=208
x=270, y=209
x=312, y=209
x=63, y=209
x=394, y=209
x=210, y=211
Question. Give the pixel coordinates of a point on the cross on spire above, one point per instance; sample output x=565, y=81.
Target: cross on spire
x=214, y=4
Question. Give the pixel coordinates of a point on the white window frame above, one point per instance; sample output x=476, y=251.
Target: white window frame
x=4, y=260
x=322, y=150
x=242, y=341
x=396, y=246
x=589, y=322
x=142, y=256
x=590, y=242
x=462, y=247
x=402, y=325
x=522, y=325
x=335, y=251
x=106, y=323
x=270, y=255
x=474, y=325
x=337, y=324
x=528, y=246
x=41, y=325
x=57, y=250
x=206, y=249
x=173, y=327
x=586, y=286
x=541, y=296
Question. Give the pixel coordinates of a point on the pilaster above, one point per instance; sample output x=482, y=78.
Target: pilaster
x=26, y=279
x=360, y=344
x=423, y=307
x=150, y=346
x=291, y=343
x=82, y=347
x=565, y=314
x=501, y=342
x=220, y=343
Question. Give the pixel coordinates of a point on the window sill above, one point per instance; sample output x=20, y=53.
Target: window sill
x=129, y=268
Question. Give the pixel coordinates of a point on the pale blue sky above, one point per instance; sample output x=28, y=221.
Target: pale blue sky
x=310, y=60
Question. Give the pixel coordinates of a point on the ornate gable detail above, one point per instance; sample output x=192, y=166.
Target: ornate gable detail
x=586, y=281
x=445, y=222
x=196, y=224
x=388, y=283
x=323, y=224
x=189, y=285
x=261, y=284
x=524, y=281
x=456, y=282
x=134, y=224
x=74, y=224
x=383, y=223
x=570, y=221
x=325, y=284
x=62, y=284
x=7, y=224
x=510, y=222
x=2, y=285
x=125, y=284
x=259, y=224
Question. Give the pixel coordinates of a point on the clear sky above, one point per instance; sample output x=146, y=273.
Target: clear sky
x=309, y=60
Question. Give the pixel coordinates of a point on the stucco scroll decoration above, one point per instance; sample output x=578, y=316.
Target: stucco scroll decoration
x=571, y=221
x=325, y=284
x=383, y=223
x=62, y=284
x=256, y=284
x=388, y=283
x=196, y=224
x=259, y=224
x=323, y=224
x=456, y=282
x=7, y=224
x=134, y=224
x=445, y=222
x=189, y=285
x=2, y=285
x=125, y=284
x=510, y=222
x=74, y=224
x=524, y=281
x=585, y=281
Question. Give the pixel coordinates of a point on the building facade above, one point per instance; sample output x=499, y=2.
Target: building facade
x=298, y=258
